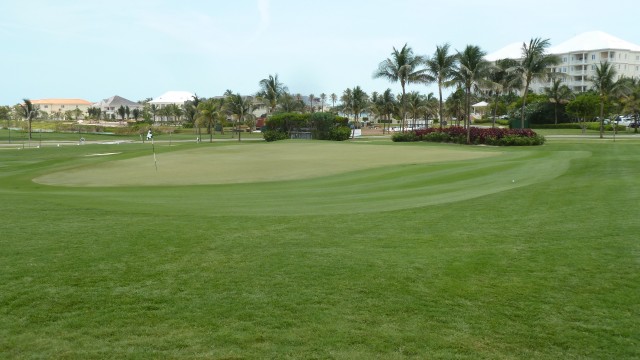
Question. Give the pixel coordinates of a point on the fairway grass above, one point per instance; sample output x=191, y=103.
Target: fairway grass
x=527, y=253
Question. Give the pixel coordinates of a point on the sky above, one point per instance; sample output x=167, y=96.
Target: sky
x=138, y=49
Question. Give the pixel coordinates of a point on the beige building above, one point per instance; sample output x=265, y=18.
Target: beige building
x=579, y=57
x=57, y=107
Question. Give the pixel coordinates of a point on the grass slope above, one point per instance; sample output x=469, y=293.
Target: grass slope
x=425, y=260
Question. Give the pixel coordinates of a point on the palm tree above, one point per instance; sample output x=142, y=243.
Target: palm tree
x=311, y=98
x=502, y=81
x=605, y=85
x=271, y=89
x=323, y=99
x=557, y=93
x=439, y=69
x=240, y=108
x=534, y=65
x=359, y=103
x=388, y=103
x=455, y=104
x=290, y=103
x=208, y=114
x=631, y=102
x=334, y=98
x=347, y=100
x=403, y=67
x=29, y=112
x=470, y=72
x=154, y=110
x=416, y=105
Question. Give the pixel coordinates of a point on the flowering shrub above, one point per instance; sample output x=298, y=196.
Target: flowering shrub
x=478, y=136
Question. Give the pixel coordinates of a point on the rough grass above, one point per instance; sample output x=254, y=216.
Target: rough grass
x=357, y=264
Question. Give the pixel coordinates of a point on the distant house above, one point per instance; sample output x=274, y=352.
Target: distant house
x=172, y=97
x=177, y=98
x=55, y=108
x=111, y=105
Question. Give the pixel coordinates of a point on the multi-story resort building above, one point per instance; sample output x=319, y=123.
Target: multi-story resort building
x=579, y=57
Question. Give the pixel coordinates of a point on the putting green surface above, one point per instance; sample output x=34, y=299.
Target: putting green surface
x=251, y=163
x=293, y=177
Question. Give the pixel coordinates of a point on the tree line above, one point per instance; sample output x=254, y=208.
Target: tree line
x=504, y=84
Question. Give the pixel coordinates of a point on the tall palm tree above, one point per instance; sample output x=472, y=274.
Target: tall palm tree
x=471, y=71
x=347, y=100
x=240, y=108
x=389, y=104
x=271, y=89
x=534, y=65
x=29, y=112
x=359, y=104
x=557, y=93
x=384, y=106
x=403, y=67
x=323, y=99
x=355, y=101
x=311, y=98
x=439, y=68
x=334, y=98
x=605, y=85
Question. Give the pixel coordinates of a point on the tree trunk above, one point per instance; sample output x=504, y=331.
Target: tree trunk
x=602, y=118
x=441, y=110
x=468, y=117
x=524, y=104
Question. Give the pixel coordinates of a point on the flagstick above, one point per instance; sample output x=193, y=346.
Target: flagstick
x=155, y=161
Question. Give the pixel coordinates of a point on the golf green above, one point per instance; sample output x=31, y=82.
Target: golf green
x=251, y=163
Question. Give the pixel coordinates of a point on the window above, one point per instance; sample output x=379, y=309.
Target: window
x=593, y=56
x=61, y=106
x=564, y=69
x=46, y=106
x=564, y=59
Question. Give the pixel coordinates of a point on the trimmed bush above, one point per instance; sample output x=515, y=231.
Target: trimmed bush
x=340, y=133
x=478, y=136
x=408, y=136
x=274, y=135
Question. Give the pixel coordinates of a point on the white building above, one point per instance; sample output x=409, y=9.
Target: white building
x=111, y=105
x=579, y=57
x=172, y=97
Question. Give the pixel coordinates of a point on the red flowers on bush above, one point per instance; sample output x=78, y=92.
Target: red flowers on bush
x=486, y=136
